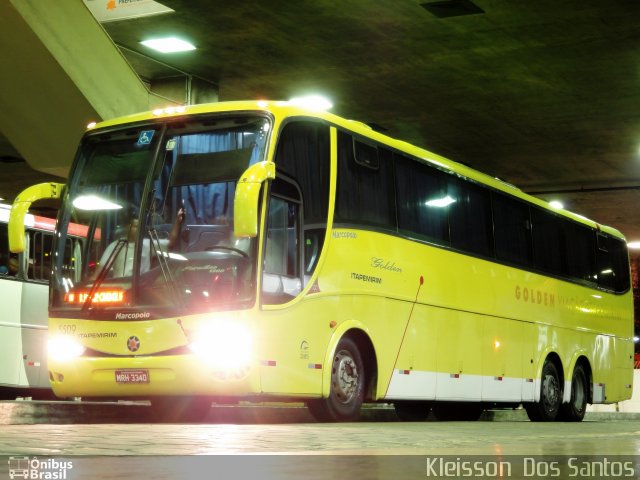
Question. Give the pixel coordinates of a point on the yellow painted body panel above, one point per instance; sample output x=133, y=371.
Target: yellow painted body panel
x=459, y=327
x=475, y=317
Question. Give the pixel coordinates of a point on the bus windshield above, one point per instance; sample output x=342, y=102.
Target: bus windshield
x=157, y=201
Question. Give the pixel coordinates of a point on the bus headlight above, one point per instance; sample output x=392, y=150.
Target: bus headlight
x=225, y=346
x=64, y=348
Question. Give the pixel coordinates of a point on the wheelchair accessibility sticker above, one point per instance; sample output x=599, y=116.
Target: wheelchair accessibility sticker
x=145, y=137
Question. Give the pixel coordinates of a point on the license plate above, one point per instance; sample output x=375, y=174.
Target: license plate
x=132, y=376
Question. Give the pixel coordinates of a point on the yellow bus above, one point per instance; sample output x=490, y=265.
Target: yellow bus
x=262, y=251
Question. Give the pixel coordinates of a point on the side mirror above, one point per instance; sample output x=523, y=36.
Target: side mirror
x=21, y=206
x=245, y=207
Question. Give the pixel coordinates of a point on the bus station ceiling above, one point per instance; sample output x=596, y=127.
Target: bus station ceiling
x=544, y=95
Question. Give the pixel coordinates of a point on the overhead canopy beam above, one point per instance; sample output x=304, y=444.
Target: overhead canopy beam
x=60, y=71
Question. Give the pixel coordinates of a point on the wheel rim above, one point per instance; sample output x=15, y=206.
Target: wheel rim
x=346, y=377
x=550, y=392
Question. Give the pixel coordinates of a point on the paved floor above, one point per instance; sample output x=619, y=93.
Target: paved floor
x=43, y=428
x=97, y=432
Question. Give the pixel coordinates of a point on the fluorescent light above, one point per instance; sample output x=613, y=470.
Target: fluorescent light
x=440, y=202
x=634, y=245
x=168, y=45
x=93, y=202
x=556, y=204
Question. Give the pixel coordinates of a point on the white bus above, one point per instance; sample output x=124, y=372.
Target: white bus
x=24, y=295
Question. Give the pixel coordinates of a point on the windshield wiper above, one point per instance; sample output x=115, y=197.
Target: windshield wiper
x=103, y=272
x=164, y=264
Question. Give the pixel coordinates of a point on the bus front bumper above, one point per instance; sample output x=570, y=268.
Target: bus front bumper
x=150, y=376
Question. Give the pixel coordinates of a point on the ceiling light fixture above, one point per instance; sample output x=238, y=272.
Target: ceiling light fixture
x=312, y=102
x=168, y=45
x=634, y=245
x=94, y=203
x=556, y=204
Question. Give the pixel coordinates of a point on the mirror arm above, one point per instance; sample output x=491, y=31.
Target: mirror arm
x=245, y=212
x=21, y=206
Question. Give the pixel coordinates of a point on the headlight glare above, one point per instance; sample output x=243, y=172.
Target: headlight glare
x=226, y=346
x=64, y=348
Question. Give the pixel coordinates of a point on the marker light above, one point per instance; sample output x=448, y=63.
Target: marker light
x=64, y=348
x=168, y=45
x=226, y=346
x=93, y=202
x=556, y=204
x=312, y=102
x=91, y=125
x=636, y=339
x=169, y=110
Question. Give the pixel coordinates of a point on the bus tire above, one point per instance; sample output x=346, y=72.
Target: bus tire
x=457, y=412
x=546, y=410
x=180, y=409
x=347, y=386
x=576, y=408
x=412, y=411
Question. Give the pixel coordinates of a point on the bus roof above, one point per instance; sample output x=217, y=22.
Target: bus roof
x=283, y=109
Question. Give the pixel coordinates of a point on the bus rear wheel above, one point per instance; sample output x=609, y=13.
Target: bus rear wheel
x=576, y=408
x=412, y=411
x=347, y=386
x=180, y=409
x=546, y=410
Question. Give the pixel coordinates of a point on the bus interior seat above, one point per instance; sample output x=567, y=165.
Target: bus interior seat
x=273, y=284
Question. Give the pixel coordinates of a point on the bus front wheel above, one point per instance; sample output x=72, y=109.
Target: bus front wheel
x=546, y=410
x=347, y=386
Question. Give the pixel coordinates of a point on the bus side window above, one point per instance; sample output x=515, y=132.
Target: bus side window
x=303, y=154
x=313, y=241
x=8, y=261
x=611, y=263
x=39, y=264
x=282, y=278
